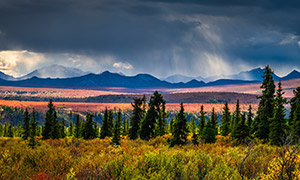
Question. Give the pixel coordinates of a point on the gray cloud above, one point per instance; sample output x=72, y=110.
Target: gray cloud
x=161, y=37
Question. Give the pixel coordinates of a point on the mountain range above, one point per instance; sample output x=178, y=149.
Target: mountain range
x=65, y=77
x=251, y=75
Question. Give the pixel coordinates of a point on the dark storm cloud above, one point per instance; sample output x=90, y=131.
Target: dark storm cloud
x=190, y=37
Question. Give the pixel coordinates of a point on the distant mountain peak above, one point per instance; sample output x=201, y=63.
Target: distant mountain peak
x=292, y=75
x=55, y=71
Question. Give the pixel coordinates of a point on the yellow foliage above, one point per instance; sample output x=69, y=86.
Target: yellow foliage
x=72, y=158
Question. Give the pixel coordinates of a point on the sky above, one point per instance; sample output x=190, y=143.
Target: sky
x=160, y=37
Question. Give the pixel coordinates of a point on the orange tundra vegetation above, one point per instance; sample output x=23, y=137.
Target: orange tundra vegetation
x=96, y=107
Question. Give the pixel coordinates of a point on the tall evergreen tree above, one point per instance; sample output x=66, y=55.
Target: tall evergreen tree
x=161, y=121
x=236, y=121
x=125, y=126
x=33, y=130
x=250, y=118
x=296, y=122
x=266, y=106
x=110, y=123
x=10, y=132
x=171, y=126
x=63, y=128
x=77, y=132
x=117, y=130
x=192, y=125
x=148, y=124
x=19, y=130
x=26, y=128
x=5, y=130
x=180, y=129
x=89, y=131
x=1, y=130
x=55, y=127
x=293, y=103
x=202, y=120
x=278, y=126
x=209, y=132
x=105, y=131
x=48, y=121
x=226, y=119
x=154, y=112
x=214, y=121
x=241, y=132
x=136, y=117
x=70, y=129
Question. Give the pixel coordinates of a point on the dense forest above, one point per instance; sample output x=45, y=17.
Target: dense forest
x=150, y=123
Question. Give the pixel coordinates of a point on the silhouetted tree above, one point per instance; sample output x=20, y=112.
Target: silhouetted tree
x=26, y=125
x=266, y=106
x=154, y=112
x=278, y=125
x=62, y=128
x=77, y=132
x=180, y=128
x=226, y=120
x=70, y=129
x=105, y=131
x=89, y=131
x=236, y=121
x=33, y=130
x=250, y=118
x=117, y=130
x=137, y=116
x=293, y=103
x=202, y=120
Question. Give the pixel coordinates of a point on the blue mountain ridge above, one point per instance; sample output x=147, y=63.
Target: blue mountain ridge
x=108, y=79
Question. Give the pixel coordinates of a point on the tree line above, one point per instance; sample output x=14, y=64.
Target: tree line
x=149, y=120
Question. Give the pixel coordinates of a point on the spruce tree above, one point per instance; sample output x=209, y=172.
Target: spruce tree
x=161, y=121
x=70, y=129
x=105, y=131
x=19, y=130
x=55, y=127
x=110, y=123
x=180, y=129
x=89, y=131
x=33, y=130
x=226, y=119
x=154, y=112
x=293, y=103
x=202, y=120
x=236, y=121
x=209, y=132
x=62, y=128
x=5, y=130
x=278, y=125
x=1, y=130
x=148, y=124
x=125, y=126
x=214, y=121
x=192, y=125
x=77, y=132
x=136, y=117
x=171, y=126
x=48, y=121
x=242, y=132
x=26, y=121
x=9, y=131
x=117, y=130
x=266, y=106
x=250, y=118
x=296, y=122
